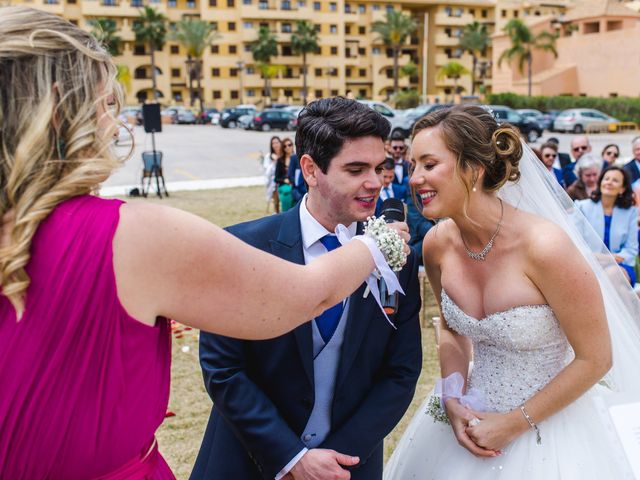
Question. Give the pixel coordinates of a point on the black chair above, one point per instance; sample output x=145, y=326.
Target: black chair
x=152, y=168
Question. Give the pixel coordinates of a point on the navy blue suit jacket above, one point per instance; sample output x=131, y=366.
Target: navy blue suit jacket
x=632, y=170
x=399, y=192
x=263, y=391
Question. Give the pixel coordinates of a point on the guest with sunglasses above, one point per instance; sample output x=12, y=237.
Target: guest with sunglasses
x=401, y=166
x=610, y=155
x=548, y=155
x=283, y=182
x=587, y=169
x=579, y=146
x=633, y=167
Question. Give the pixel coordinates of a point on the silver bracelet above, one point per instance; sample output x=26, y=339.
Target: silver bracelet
x=531, y=424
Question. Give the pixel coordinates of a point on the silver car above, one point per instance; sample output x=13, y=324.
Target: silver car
x=580, y=120
x=399, y=122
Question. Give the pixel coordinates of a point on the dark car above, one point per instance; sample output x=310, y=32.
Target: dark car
x=529, y=127
x=273, y=118
x=422, y=110
x=230, y=116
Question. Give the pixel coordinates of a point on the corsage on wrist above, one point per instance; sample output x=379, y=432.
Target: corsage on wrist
x=451, y=387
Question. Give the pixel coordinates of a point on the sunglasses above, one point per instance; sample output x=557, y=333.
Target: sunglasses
x=615, y=154
x=549, y=155
x=581, y=149
x=288, y=145
x=398, y=147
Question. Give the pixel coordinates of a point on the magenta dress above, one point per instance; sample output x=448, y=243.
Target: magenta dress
x=83, y=385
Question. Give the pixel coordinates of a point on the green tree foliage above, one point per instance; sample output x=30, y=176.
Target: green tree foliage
x=303, y=42
x=151, y=30
x=453, y=70
x=523, y=43
x=105, y=30
x=265, y=47
x=475, y=40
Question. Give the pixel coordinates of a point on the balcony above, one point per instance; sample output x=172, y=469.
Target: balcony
x=461, y=20
x=262, y=11
x=114, y=8
x=52, y=6
x=444, y=40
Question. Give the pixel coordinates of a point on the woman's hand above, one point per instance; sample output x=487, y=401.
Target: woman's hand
x=495, y=431
x=460, y=416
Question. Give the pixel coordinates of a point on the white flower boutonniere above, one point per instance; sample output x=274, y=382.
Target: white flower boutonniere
x=388, y=240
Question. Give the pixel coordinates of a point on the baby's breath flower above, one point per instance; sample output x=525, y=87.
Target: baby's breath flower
x=388, y=240
x=436, y=411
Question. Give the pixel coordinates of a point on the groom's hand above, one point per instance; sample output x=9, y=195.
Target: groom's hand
x=323, y=464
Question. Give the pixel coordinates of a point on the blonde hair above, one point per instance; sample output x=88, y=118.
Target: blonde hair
x=53, y=78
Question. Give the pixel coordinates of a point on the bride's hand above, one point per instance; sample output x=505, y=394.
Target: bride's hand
x=459, y=416
x=495, y=431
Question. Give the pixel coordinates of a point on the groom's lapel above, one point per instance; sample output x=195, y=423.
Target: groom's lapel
x=288, y=246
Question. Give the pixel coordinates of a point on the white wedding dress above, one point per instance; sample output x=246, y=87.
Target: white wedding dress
x=516, y=353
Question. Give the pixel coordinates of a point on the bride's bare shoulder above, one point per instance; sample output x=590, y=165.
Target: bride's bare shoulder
x=542, y=239
x=437, y=239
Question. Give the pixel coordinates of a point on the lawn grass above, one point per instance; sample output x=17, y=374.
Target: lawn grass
x=179, y=437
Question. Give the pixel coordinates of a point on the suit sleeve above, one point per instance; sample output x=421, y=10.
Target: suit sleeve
x=394, y=387
x=254, y=419
x=629, y=249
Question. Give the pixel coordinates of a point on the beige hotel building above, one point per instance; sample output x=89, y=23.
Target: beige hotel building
x=352, y=61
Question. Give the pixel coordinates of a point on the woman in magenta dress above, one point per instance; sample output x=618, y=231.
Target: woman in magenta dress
x=87, y=284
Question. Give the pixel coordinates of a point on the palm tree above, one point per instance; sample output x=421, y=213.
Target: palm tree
x=523, y=42
x=151, y=29
x=303, y=42
x=475, y=40
x=453, y=70
x=393, y=33
x=196, y=36
x=265, y=47
x=104, y=30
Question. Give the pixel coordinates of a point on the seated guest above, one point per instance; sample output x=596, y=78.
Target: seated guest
x=389, y=189
x=548, y=155
x=610, y=155
x=563, y=159
x=611, y=213
x=587, y=170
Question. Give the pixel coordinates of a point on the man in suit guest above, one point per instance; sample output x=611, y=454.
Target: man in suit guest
x=316, y=403
x=398, y=149
x=389, y=189
x=579, y=146
x=633, y=166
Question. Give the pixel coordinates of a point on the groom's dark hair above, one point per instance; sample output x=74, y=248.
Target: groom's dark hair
x=324, y=126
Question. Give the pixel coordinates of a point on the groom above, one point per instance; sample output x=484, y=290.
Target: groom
x=304, y=405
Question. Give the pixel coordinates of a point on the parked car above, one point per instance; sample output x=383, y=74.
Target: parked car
x=273, y=118
x=399, y=122
x=132, y=115
x=537, y=115
x=421, y=110
x=549, y=117
x=180, y=115
x=213, y=114
x=578, y=120
x=529, y=127
x=229, y=117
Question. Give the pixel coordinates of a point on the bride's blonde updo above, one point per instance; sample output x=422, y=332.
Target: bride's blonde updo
x=53, y=78
x=473, y=135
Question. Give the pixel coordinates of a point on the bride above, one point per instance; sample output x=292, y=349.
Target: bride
x=523, y=299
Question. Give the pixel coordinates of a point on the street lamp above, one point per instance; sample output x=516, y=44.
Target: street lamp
x=240, y=64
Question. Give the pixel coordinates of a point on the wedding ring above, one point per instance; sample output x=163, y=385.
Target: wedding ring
x=473, y=422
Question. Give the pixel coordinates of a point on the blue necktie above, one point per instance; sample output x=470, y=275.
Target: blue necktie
x=387, y=190
x=329, y=319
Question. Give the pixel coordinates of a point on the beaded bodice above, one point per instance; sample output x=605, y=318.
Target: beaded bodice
x=516, y=352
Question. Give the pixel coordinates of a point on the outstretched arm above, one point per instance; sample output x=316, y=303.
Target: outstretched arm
x=173, y=264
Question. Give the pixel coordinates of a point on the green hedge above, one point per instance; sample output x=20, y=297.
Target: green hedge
x=625, y=109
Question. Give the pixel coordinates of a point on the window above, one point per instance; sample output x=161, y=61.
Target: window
x=214, y=25
x=263, y=5
x=347, y=8
x=191, y=4
x=287, y=51
x=74, y=22
x=231, y=26
x=375, y=50
x=362, y=72
x=376, y=7
x=217, y=94
x=286, y=5
x=234, y=94
x=362, y=30
x=317, y=27
x=334, y=50
x=333, y=7
x=177, y=96
x=362, y=9
x=174, y=49
x=333, y=29
x=362, y=92
x=251, y=93
x=318, y=93
x=247, y=48
x=137, y=3
x=264, y=25
x=503, y=13
x=231, y=3
x=347, y=29
x=286, y=28
x=139, y=50
x=484, y=13
x=348, y=72
x=389, y=72
x=213, y=3
x=247, y=25
x=334, y=93
x=233, y=72
x=516, y=13
x=110, y=3
x=175, y=72
x=389, y=8
x=246, y=2
x=302, y=3
x=140, y=73
x=215, y=72
x=318, y=72
x=591, y=27
x=472, y=12
x=215, y=49
x=172, y=3
x=316, y=6
x=233, y=49
x=250, y=70
x=288, y=92
x=362, y=51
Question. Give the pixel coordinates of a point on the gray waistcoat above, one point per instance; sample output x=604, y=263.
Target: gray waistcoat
x=325, y=369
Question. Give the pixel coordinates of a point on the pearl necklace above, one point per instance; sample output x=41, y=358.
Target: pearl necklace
x=481, y=256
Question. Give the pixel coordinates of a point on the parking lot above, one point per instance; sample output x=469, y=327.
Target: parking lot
x=203, y=152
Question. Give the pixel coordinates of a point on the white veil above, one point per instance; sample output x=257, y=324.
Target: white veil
x=538, y=192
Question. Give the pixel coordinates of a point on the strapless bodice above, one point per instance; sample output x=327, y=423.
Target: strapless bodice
x=516, y=352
